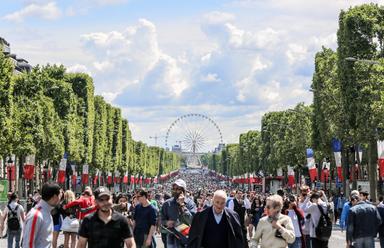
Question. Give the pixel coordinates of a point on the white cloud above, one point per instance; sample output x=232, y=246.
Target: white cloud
x=48, y=11
x=211, y=77
x=296, y=53
x=216, y=17
x=79, y=68
x=103, y=65
x=221, y=27
x=83, y=7
x=130, y=63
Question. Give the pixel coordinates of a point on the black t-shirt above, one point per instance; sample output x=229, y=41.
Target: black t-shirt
x=144, y=217
x=101, y=235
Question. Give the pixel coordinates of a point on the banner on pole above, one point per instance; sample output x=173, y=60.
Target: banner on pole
x=311, y=164
x=336, y=147
x=85, y=176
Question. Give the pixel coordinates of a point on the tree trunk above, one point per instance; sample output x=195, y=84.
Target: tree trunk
x=372, y=169
x=344, y=158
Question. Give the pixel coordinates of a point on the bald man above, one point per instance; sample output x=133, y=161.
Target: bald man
x=216, y=226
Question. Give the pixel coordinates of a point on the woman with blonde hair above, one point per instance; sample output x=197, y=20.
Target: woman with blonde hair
x=71, y=223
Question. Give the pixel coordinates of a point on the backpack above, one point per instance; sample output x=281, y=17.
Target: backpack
x=324, y=227
x=13, y=220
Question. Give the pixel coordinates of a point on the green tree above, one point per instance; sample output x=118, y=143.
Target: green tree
x=100, y=133
x=82, y=85
x=6, y=106
x=360, y=35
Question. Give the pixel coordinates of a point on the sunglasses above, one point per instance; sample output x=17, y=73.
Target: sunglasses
x=104, y=199
x=269, y=207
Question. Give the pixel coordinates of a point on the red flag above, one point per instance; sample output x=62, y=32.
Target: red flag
x=148, y=180
x=74, y=178
x=381, y=167
x=132, y=180
x=29, y=167
x=339, y=168
x=311, y=167
x=109, y=178
x=61, y=177
x=125, y=178
x=155, y=180
x=117, y=177
x=324, y=175
x=61, y=174
x=85, y=175
x=340, y=173
x=84, y=179
x=29, y=170
x=96, y=177
x=291, y=176
x=354, y=172
x=141, y=180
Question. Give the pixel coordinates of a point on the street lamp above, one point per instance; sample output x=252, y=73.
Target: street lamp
x=300, y=112
x=156, y=137
x=366, y=61
x=9, y=167
x=322, y=95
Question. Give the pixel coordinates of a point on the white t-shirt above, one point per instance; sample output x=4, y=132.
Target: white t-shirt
x=295, y=221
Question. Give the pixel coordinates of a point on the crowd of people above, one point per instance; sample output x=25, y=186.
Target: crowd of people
x=193, y=209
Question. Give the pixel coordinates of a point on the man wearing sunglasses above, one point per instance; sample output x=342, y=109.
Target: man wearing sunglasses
x=176, y=211
x=105, y=227
x=275, y=230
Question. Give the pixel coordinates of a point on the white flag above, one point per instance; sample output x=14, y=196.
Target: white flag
x=63, y=164
x=85, y=169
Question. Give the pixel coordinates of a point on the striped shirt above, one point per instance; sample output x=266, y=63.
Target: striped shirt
x=38, y=227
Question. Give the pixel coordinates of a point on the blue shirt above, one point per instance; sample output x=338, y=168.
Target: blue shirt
x=217, y=216
x=344, y=215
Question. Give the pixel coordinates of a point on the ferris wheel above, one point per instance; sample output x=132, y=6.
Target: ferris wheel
x=193, y=135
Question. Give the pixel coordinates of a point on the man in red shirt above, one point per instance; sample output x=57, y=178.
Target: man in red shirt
x=86, y=203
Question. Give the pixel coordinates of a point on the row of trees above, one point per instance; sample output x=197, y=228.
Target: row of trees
x=282, y=141
x=49, y=112
x=348, y=104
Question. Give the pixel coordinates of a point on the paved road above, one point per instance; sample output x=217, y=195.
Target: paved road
x=337, y=240
x=3, y=242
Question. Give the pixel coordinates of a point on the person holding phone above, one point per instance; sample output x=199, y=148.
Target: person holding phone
x=176, y=211
x=274, y=230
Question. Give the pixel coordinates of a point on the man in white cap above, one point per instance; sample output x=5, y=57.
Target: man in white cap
x=177, y=211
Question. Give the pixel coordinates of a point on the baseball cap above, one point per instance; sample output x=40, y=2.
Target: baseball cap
x=181, y=183
x=102, y=191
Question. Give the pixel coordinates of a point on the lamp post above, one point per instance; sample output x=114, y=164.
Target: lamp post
x=156, y=137
x=9, y=170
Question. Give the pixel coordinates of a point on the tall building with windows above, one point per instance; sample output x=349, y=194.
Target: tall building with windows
x=20, y=64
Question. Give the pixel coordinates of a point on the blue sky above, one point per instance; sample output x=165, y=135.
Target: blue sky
x=232, y=60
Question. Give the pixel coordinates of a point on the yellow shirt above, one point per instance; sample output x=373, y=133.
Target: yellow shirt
x=266, y=233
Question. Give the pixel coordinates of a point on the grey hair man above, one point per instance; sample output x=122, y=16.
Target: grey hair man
x=212, y=224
